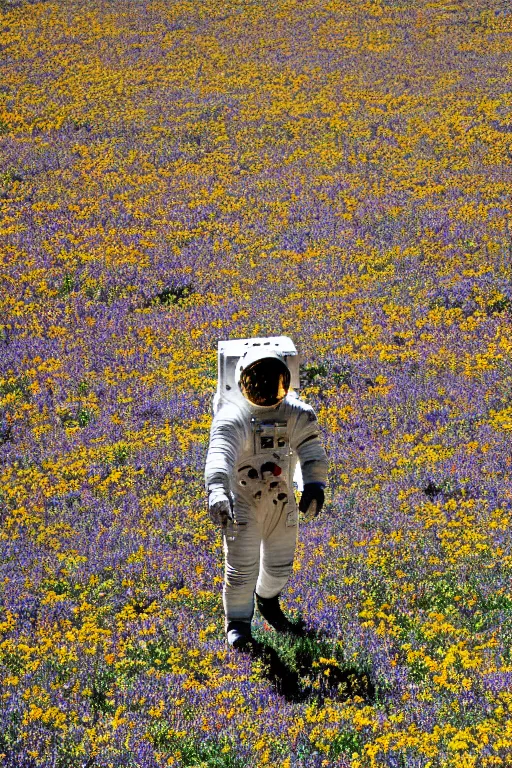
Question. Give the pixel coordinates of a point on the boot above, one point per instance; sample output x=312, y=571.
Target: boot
x=238, y=633
x=271, y=611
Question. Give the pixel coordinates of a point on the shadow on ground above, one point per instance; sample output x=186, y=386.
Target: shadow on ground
x=300, y=670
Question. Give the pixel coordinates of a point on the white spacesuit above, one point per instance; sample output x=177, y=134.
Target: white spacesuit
x=251, y=461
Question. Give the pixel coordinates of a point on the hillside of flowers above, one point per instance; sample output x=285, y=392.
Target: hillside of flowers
x=175, y=173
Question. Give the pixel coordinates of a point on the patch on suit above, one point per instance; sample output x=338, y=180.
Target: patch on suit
x=291, y=518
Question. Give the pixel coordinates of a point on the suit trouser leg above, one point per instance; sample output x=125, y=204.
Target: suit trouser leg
x=241, y=568
x=278, y=550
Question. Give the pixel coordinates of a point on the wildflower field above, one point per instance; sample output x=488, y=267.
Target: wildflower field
x=175, y=173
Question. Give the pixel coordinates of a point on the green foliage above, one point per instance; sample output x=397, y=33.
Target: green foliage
x=9, y=176
x=318, y=665
x=18, y=387
x=68, y=285
x=172, y=295
x=80, y=417
x=275, y=132
x=149, y=655
x=96, y=291
x=121, y=453
x=101, y=693
x=298, y=652
x=10, y=734
x=438, y=593
x=310, y=373
x=84, y=417
x=77, y=123
x=346, y=742
x=56, y=585
x=499, y=305
x=506, y=636
x=492, y=610
x=376, y=588
x=343, y=376
x=194, y=753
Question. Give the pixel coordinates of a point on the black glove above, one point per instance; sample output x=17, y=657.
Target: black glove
x=312, y=492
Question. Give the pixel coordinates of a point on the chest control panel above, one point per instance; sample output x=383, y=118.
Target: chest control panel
x=270, y=436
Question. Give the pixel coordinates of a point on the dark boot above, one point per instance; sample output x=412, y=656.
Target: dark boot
x=271, y=611
x=238, y=633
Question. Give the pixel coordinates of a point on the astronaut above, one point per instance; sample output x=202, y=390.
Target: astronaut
x=260, y=431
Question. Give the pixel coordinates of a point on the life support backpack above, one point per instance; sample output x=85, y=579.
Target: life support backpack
x=233, y=355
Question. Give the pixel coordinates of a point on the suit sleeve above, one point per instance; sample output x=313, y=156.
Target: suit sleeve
x=307, y=443
x=226, y=440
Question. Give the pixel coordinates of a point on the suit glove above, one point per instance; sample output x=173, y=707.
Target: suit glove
x=219, y=507
x=312, y=500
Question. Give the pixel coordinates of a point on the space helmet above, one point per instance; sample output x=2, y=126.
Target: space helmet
x=263, y=376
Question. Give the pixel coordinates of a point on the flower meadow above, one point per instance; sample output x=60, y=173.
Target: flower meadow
x=175, y=173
